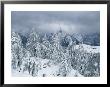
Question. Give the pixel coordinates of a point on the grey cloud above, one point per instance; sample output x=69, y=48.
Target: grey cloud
x=45, y=21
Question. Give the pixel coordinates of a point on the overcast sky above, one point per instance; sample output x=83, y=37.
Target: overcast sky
x=45, y=21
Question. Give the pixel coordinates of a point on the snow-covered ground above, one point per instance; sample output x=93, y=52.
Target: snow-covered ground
x=88, y=48
x=16, y=73
x=74, y=73
x=47, y=69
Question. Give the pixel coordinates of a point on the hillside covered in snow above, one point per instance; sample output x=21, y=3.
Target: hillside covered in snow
x=55, y=55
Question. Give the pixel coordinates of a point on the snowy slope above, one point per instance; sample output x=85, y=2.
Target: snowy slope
x=20, y=74
x=88, y=48
x=47, y=69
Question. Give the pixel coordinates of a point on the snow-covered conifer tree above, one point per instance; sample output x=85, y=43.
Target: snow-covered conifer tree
x=16, y=50
x=31, y=43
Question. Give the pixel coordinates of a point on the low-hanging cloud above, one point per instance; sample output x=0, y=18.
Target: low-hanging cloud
x=52, y=21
